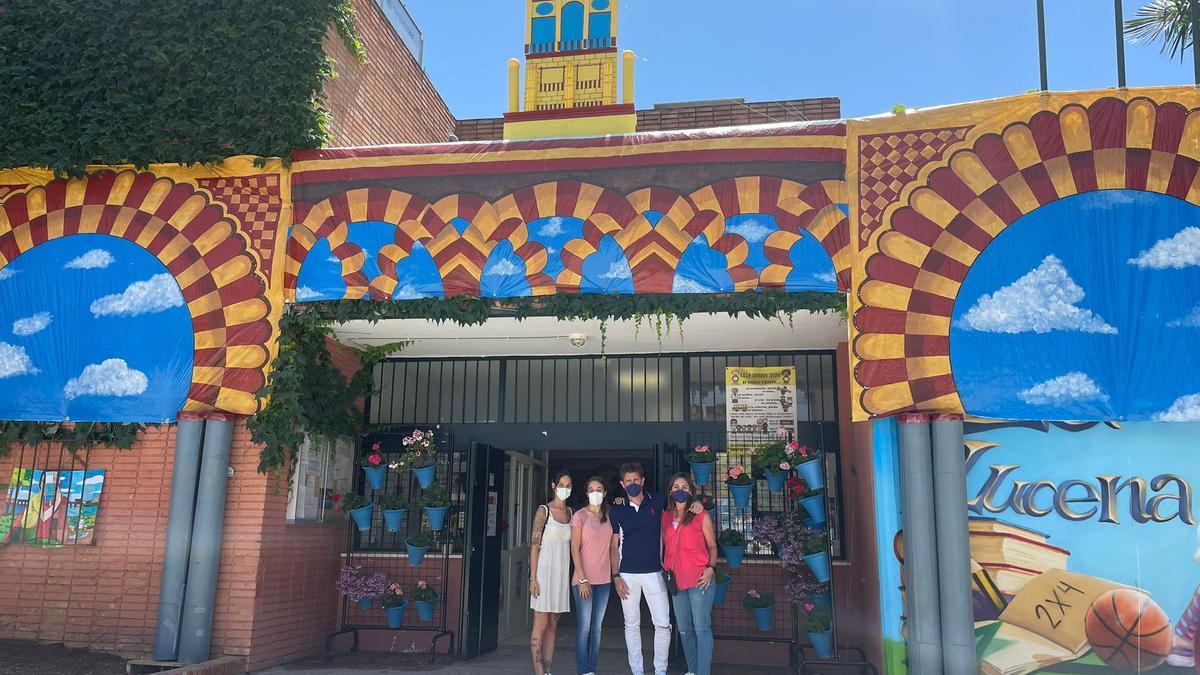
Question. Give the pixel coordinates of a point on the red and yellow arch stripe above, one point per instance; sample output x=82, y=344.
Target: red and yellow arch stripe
x=198, y=243
x=923, y=255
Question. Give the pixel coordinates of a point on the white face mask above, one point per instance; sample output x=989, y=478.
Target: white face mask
x=563, y=493
x=595, y=498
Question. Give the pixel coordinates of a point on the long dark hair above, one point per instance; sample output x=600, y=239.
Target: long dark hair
x=559, y=475
x=604, y=505
x=687, y=508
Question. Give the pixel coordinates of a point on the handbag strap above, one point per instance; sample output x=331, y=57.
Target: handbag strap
x=678, y=534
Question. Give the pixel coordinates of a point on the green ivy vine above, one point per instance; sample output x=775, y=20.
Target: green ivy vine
x=73, y=436
x=306, y=395
x=126, y=82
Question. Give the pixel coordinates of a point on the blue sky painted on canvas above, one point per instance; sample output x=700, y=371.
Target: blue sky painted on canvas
x=701, y=269
x=92, y=328
x=1154, y=556
x=1035, y=337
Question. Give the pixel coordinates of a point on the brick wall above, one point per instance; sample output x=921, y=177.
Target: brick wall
x=690, y=116
x=104, y=595
x=729, y=113
x=387, y=100
x=275, y=598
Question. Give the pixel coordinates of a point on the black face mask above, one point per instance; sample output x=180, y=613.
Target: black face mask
x=633, y=490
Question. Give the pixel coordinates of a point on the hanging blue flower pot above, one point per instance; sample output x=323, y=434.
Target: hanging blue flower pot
x=437, y=517
x=362, y=517
x=702, y=473
x=824, y=599
x=819, y=564
x=813, y=474
x=816, y=509
x=375, y=476
x=719, y=595
x=394, y=519
x=822, y=644
x=416, y=554
x=764, y=617
x=775, y=480
x=741, y=495
x=734, y=555
x=425, y=610
x=426, y=475
x=365, y=603
x=395, y=615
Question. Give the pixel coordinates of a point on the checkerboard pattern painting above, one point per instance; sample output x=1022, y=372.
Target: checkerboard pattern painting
x=890, y=162
x=256, y=202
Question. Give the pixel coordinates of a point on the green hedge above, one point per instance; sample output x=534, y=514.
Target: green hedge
x=179, y=81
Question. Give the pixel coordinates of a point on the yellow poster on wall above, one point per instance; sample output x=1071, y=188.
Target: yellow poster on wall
x=759, y=401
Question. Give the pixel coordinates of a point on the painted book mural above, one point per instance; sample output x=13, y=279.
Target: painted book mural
x=51, y=508
x=1084, y=548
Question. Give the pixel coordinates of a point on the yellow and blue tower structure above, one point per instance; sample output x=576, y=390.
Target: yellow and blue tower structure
x=572, y=61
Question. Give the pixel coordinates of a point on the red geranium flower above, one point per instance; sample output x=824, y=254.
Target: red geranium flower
x=375, y=459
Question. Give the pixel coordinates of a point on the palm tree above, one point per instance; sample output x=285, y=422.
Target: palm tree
x=1167, y=20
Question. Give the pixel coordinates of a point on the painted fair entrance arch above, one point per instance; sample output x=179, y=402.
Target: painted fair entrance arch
x=194, y=239
x=917, y=264
x=652, y=227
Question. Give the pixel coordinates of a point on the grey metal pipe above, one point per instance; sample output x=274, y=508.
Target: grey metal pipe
x=920, y=548
x=204, y=561
x=188, y=436
x=953, y=545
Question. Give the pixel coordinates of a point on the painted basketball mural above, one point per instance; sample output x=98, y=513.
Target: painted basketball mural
x=1127, y=630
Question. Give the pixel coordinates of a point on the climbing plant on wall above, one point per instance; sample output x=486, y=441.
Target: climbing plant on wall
x=72, y=436
x=127, y=82
x=307, y=394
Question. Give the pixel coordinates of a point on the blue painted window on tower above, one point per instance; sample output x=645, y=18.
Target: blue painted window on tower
x=543, y=35
x=572, y=27
x=600, y=30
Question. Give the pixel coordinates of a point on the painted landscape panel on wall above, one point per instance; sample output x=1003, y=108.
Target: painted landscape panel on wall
x=51, y=508
x=1084, y=549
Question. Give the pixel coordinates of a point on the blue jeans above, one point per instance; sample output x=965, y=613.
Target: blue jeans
x=589, y=617
x=693, y=616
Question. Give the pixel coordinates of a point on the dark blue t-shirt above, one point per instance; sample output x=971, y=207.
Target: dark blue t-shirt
x=641, y=534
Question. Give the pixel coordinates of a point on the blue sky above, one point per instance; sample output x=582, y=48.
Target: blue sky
x=1157, y=557
x=1034, y=337
x=872, y=54
x=92, y=328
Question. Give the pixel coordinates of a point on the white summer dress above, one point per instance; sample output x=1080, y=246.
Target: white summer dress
x=554, y=568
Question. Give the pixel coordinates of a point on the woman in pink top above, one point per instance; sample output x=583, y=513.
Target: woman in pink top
x=591, y=535
x=690, y=554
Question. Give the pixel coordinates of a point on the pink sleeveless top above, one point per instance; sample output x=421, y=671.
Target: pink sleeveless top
x=684, y=550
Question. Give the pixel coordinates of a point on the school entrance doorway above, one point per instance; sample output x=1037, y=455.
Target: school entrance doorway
x=527, y=488
x=515, y=418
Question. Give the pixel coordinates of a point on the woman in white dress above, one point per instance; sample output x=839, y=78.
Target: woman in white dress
x=550, y=567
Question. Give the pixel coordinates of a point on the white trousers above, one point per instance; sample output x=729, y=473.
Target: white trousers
x=652, y=586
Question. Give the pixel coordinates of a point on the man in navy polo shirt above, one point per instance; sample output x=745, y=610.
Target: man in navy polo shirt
x=636, y=555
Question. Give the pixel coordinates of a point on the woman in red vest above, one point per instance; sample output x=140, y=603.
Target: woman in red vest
x=690, y=556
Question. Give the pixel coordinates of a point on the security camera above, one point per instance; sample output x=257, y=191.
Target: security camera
x=577, y=340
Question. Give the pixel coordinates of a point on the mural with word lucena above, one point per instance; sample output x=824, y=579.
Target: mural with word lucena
x=1084, y=547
